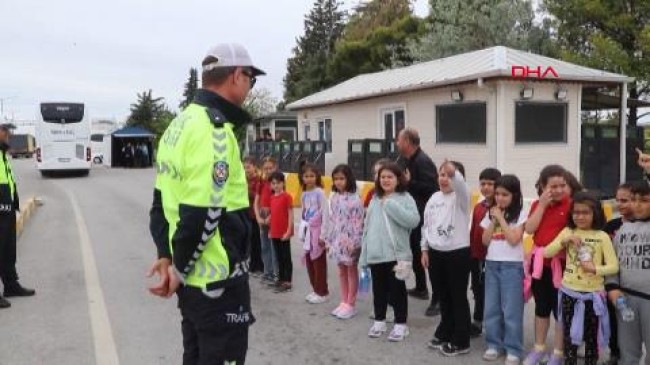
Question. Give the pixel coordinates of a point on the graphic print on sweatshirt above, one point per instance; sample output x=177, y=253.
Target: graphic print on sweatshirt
x=440, y=218
x=633, y=250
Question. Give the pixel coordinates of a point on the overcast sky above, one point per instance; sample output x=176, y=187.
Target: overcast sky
x=104, y=52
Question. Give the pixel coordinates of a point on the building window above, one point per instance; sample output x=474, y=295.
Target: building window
x=461, y=123
x=540, y=122
x=393, y=121
x=307, y=132
x=325, y=132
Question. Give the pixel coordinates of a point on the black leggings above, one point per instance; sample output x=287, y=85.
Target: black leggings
x=545, y=295
x=283, y=252
x=386, y=288
x=590, y=332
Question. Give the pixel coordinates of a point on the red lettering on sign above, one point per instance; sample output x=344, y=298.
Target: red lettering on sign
x=533, y=72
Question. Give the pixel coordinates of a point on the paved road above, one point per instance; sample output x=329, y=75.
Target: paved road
x=86, y=250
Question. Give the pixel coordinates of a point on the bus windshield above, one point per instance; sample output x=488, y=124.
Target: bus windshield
x=62, y=113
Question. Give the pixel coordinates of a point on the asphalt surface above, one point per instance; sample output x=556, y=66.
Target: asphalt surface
x=86, y=251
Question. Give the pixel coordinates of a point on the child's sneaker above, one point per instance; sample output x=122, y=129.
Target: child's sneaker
x=555, y=360
x=512, y=360
x=317, y=299
x=282, y=288
x=399, y=333
x=309, y=296
x=346, y=312
x=534, y=357
x=491, y=355
x=338, y=309
x=377, y=329
x=436, y=344
x=453, y=350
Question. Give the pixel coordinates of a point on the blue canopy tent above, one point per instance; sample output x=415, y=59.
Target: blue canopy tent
x=131, y=146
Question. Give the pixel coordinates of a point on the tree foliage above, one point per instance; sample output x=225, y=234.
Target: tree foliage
x=457, y=26
x=306, y=69
x=191, y=86
x=375, y=38
x=150, y=113
x=612, y=35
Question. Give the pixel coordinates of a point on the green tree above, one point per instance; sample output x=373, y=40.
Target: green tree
x=191, y=86
x=260, y=102
x=150, y=113
x=374, y=39
x=612, y=35
x=457, y=26
x=307, y=67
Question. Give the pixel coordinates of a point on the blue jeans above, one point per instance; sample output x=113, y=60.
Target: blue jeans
x=269, y=257
x=504, y=307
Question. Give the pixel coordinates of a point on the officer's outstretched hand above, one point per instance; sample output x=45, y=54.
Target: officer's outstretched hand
x=160, y=268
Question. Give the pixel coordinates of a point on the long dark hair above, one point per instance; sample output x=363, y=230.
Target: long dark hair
x=350, y=181
x=398, y=172
x=308, y=166
x=583, y=197
x=513, y=186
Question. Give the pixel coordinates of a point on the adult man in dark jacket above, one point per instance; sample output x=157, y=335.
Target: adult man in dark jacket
x=422, y=177
x=9, y=205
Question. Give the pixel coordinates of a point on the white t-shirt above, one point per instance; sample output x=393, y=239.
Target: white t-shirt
x=499, y=249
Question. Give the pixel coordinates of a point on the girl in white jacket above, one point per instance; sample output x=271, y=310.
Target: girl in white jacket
x=446, y=253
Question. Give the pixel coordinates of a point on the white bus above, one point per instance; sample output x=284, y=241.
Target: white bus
x=63, y=138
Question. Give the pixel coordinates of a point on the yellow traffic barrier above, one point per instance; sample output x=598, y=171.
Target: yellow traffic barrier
x=25, y=213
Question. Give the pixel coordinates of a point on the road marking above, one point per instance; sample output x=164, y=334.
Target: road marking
x=105, y=350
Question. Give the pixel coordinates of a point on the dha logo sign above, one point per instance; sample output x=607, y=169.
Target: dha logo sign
x=535, y=72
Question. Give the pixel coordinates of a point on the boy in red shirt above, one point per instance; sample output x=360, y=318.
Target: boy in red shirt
x=261, y=206
x=281, y=230
x=478, y=251
x=548, y=216
x=253, y=179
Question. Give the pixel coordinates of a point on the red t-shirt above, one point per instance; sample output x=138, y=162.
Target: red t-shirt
x=265, y=192
x=253, y=187
x=555, y=218
x=477, y=248
x=279, y=221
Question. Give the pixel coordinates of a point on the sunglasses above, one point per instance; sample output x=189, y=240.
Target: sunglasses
x=250, y=75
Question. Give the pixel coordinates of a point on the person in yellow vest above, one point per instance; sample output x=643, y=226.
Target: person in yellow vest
x=9, y=205
x=199, y=216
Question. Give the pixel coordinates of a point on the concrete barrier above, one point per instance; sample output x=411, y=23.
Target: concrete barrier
x=26, y=212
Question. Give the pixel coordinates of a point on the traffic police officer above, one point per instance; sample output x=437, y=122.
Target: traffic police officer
x=9, y=205
x=199, y=213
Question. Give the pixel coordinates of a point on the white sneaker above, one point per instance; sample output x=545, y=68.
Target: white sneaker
x=347, y=312
x=317, y=299
x=491, y=355
x=512, y=360
x=399, y=333
x=337, y=310
x=377, y=329
x=310, y=296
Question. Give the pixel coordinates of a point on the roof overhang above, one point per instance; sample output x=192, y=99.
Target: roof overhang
x=501, y=74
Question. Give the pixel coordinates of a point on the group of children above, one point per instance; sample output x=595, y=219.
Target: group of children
x=571, y=272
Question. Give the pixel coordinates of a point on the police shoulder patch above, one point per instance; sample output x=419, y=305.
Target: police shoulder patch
x=220, y=173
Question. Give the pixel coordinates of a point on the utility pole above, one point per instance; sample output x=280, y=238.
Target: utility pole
x=2, y=105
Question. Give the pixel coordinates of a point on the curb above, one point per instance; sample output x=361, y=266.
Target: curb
x=25, y=213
